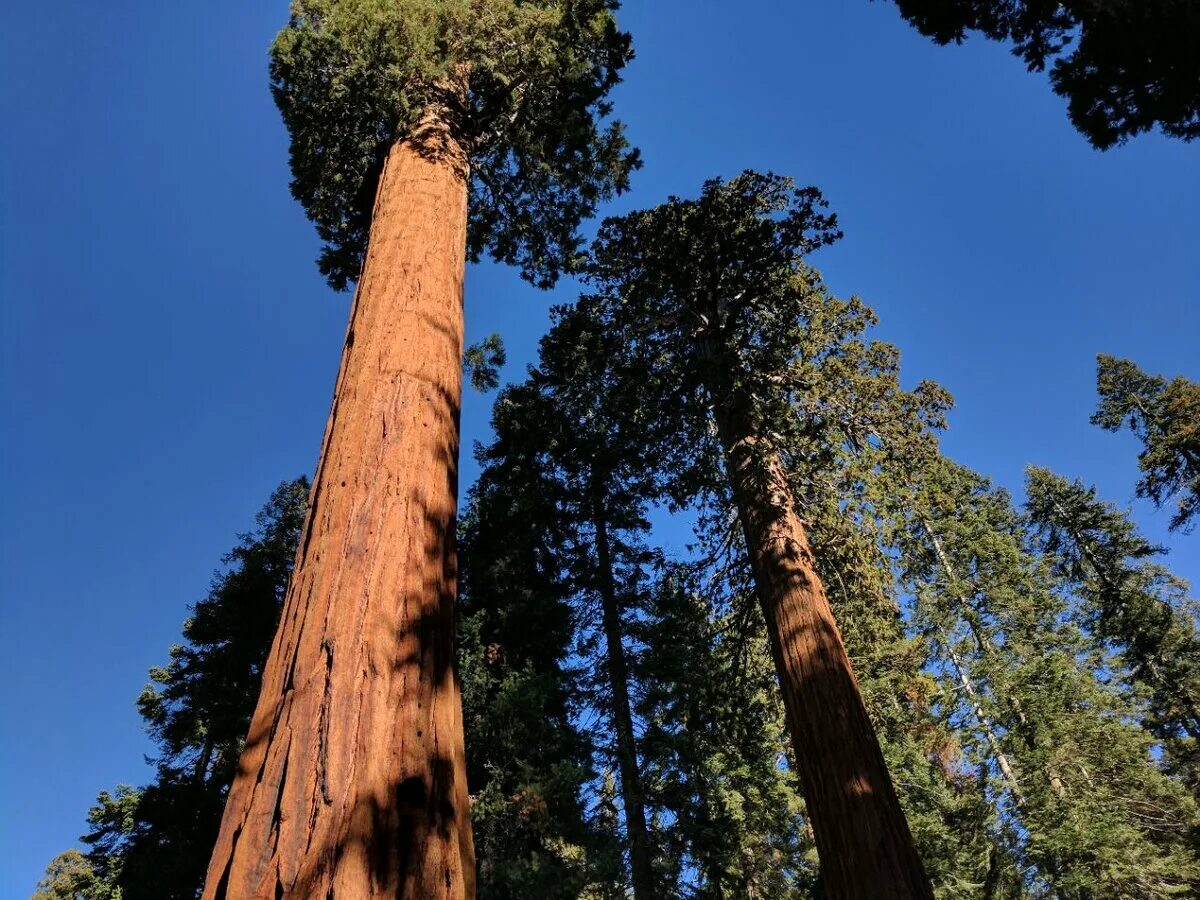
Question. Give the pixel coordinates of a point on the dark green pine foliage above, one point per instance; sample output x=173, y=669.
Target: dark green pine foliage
x=1124, y=66
x=579, y=463
x=154, y=843
x=720, y=813
x=72, y=876
x=1094, y=815
x=725, y=270
x=524, y=80
x=715, y=748
x=1135, y=609
x=1165, y=417
x=529, y=767
x=855, y=437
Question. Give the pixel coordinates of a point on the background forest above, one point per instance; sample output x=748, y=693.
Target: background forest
x=1027, y=647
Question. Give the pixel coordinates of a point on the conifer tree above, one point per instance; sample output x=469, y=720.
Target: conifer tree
x=596, y=494
x=1125, y=66
x=530, y=767
x=1136, y=610
x=72, y=876
x=715, y=747
x=1165, y=417
x=154, y=842
x=719, y=318
x=581, y=459
x=1094, y=814
x=421, y=131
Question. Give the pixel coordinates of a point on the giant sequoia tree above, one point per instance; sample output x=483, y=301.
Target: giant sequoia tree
x=421, y=131
x=719, y=319
x=1124, y=66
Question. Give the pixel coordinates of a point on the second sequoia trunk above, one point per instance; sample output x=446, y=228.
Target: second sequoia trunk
x=352, y=783
x=862, y=836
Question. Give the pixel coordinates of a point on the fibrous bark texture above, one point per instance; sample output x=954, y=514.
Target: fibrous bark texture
x=862, y=837
x=352, y=783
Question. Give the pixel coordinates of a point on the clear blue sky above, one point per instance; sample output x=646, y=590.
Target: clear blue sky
x=169, y=347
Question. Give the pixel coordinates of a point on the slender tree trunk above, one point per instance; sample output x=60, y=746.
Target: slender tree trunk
x=985, y=722
x=1056, y=783
x=352, y=783
x=862, y=837
x=632, y=795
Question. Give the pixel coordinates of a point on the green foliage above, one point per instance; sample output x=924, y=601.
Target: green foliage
x=1138, y=613
x=483, y=362
x=1096, y=817
x=72, y=876
x=715, y=748
x=1124, y=66
x=524, y=84
x=1165, y=417
x=154, y=843
x=528, y=764
x=113, y=822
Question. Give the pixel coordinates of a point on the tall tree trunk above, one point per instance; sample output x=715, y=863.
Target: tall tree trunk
x=985, y=722
x=632, y=795
x=862, y=837
x=1056, y=783
x=352, y=783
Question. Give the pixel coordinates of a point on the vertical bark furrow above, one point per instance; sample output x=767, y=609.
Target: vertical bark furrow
x=862, y=836
x=361, y=674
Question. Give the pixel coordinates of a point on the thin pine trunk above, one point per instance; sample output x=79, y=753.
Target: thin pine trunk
x=985, y=722
x=352, y=784
x=632, y=794
x=862, y=836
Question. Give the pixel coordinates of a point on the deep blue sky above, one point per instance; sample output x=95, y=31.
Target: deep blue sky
x=169, y=347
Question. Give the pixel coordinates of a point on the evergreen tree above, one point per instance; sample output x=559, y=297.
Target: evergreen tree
x=716, y=320
x=421, y=131
x=529, y=766
x=71, y=876
x=595, y=494
x=580, y=460
x=1093, y=814
x=715, y=748
x=1165, y=416
x=1136, y=610
x=1124, y=66
x=153, y=843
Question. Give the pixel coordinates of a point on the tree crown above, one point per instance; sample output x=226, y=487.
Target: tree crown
x=1124, y=66
x=523, y=83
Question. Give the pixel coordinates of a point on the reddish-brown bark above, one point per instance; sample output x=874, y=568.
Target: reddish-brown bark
x=352, y=784
x=862, y=836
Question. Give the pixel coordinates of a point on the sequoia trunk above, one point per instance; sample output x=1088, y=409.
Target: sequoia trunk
x=632, y=795
x=862, y=837
x=352, y=783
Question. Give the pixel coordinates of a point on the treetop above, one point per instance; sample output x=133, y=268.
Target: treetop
x=524, y=81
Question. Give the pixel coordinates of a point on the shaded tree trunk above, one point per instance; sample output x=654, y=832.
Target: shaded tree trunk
x=862, y=836
x=632, y=796
x=352, y=783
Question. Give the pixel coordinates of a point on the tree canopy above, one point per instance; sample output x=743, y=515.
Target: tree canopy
x=1124, y=66
x=1165, y=417
x=525, y=84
